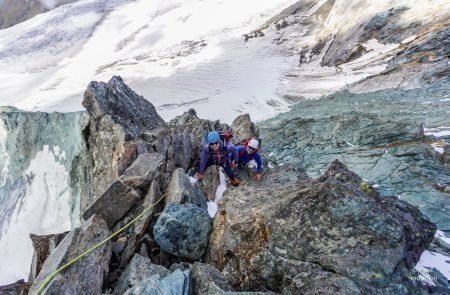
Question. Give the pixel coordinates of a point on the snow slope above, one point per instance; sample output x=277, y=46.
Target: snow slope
x=183, y=54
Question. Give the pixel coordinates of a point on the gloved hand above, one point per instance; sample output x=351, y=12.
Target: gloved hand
x=258, y=177
x=200, y=176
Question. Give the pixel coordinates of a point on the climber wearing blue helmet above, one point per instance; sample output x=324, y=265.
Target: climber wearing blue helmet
x=221, y=153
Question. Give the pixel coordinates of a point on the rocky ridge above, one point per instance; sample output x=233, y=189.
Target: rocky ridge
x=287, y=234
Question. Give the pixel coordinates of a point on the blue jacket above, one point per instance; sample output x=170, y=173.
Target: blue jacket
x=245, y=157
x=221, y=157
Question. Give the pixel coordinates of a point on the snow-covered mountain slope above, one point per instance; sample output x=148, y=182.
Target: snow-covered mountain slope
x=183, y=54
x=15, y=11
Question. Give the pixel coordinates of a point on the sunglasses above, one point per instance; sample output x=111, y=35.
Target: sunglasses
x=215, y=143
x=250, y=148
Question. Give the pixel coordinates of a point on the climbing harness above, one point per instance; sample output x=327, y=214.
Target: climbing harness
x=82, y=255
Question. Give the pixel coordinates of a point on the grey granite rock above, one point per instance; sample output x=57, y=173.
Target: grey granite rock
x=139, y=269
x=89, y=272
x=286, y=232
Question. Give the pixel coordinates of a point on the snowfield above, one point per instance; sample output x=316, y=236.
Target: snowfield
x=183, y=54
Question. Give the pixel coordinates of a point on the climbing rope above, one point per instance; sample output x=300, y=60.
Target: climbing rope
x=82, y=255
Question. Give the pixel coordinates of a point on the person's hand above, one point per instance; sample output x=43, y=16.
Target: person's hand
x=200, y=176
x=234, y=165
x=258, y=177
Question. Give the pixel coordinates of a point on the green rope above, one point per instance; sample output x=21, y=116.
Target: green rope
x=82, y=255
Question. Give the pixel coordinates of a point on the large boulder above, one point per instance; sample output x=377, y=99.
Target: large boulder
x=244, y=128
x=287, y=232
x=89, y=272
x=146, y=168
x=178, y=282
x=115, y=203
x=183, y=230
x=182, y=191
x=139, y=269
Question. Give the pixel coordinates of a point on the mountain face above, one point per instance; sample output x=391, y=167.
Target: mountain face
x=381, y=70
x=13, y=12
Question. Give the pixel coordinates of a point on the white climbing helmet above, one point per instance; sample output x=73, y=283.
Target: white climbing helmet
x=253, y=143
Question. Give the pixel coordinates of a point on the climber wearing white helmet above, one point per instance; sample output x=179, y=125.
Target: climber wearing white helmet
x=248, y=151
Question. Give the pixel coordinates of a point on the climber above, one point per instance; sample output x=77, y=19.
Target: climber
x=247, y=152
x=221, y=153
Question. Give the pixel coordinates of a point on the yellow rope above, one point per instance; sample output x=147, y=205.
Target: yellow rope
x=65, y=266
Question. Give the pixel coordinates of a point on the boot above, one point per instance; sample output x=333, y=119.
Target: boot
x=235, y=181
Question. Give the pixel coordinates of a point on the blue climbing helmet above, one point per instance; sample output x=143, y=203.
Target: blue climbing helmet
x=213, y=137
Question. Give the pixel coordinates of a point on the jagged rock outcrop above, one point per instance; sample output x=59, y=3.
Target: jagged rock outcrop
x=43, y=246
x=117, y=115
x=302, y=236
x=378, y=135
x=183, y=230
x=89, y=272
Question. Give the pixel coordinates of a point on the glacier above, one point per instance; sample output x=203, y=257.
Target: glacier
x=37, y=191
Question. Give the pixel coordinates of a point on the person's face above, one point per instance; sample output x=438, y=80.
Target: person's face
x=250, y=150
x=215, y=145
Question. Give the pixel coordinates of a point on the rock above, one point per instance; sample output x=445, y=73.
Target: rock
x=117, y=116
x=183, y=230
x=182, y=191
x=207, y=278
x=18, y=288
x=146, y=168
x=178, y=282
x=139, y=269
x=141, y=226
x=211, y=182
x=189, y=117
x=43, y=246
x=243, y=128
x=385, y=145
x=115, y=203
x=89, y=272
x=283, y=236
x=181, y=266
x=181, y=144
x=126, y=108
